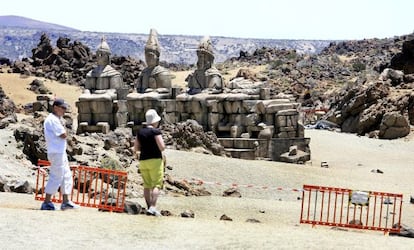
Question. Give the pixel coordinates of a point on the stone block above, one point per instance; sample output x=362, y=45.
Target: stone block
x=300, y=157
x=288, y=112
x=81, y=127
x=282, y=135
x=196, y=107
x=245, y=143
x=238, y=119
x=227, y=142
x=265, y=93
x=101, y=106
x=269, y=118
x=249, y=106
x=149, y=104
x=121, y=119
x=101, y=127
x=280, y=121
x=227, y=107
x=184, y=116
x=104, y=126
x=121, y=106
x=201, y=118
x=188, y=107
x=83, y=107
x=300, y=131
x=251, y=119
x=236, y=131
x=84, y=118
x=122, y=93
x=180, y=105
x=248, y=155
x=213, y=120
x=108, y=118
x=291, y=134
x=171, y=117
x=292, y=121
x=262, y=106
x=168, y=105
x=223, y=127
x=286, y=129
x=212, y=106
x=135, y=105
x=274, y=108
x=237, y=107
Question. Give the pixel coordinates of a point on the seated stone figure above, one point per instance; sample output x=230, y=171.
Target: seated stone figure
x=102, y=105
x=205, y=78
x=103, y=78
x=153, y=77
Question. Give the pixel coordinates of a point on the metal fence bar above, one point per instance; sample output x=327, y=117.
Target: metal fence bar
x=83, y=193
x=362, y=210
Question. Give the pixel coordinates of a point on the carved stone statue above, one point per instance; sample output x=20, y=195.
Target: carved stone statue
x=205, y=78
x=102, y=105
x=153, y=76
x=103, y=77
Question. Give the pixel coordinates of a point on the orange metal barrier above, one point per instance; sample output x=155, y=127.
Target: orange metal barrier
x=308, y=114
x=92, y=187
x=351, y=208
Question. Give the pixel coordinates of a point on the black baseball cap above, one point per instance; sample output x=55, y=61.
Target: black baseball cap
x=60, y=102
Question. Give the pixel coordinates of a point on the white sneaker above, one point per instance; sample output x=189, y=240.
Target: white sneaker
x=69, y=205
x=154, y=212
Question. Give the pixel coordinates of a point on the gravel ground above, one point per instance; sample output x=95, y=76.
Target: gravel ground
x=24, y=226
x=350, y=158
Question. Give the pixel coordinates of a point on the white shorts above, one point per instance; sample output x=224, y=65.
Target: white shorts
x=60, y=174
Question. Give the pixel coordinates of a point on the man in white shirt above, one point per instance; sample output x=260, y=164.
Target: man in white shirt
x=60, y=174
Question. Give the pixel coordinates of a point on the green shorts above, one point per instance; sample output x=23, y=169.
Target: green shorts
x=152, y=172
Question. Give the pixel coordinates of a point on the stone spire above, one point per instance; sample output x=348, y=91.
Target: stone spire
x=103, y=46
x=206, y=46
x=152, y=43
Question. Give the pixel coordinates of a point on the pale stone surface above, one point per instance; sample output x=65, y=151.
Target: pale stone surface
x=103, y=87
x=154, y=76
x=206, y=78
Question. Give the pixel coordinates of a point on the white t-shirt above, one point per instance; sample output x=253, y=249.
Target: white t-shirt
x=53, y=128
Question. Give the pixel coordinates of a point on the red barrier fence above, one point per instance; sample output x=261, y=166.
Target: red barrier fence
x=351, y=208
x=92, y=187
x=309, y=114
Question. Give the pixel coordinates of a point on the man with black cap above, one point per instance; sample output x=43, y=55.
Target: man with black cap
x=60, y=174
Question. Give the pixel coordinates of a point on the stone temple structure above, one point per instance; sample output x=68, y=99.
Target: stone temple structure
x=247, y=122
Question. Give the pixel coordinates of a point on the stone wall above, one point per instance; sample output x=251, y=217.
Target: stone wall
x=248, y=127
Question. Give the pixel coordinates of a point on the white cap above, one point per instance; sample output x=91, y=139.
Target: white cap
x=151, y=116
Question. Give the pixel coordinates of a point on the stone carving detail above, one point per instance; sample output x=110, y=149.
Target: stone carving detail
x=102, y=105
x=154, y=76
x=206, y=78
x=103, y=78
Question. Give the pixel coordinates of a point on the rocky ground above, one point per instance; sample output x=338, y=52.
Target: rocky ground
x=262, y=218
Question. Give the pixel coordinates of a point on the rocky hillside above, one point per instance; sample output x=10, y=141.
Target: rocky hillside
x=23, y=22
x=17, y=42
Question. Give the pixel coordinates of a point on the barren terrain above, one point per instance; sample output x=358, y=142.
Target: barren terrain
x=351, y=160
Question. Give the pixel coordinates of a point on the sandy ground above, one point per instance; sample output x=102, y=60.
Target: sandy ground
x=24, y=226
x=350, y=159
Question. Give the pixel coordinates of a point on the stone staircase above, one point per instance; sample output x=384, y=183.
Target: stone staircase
x=246, y=148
